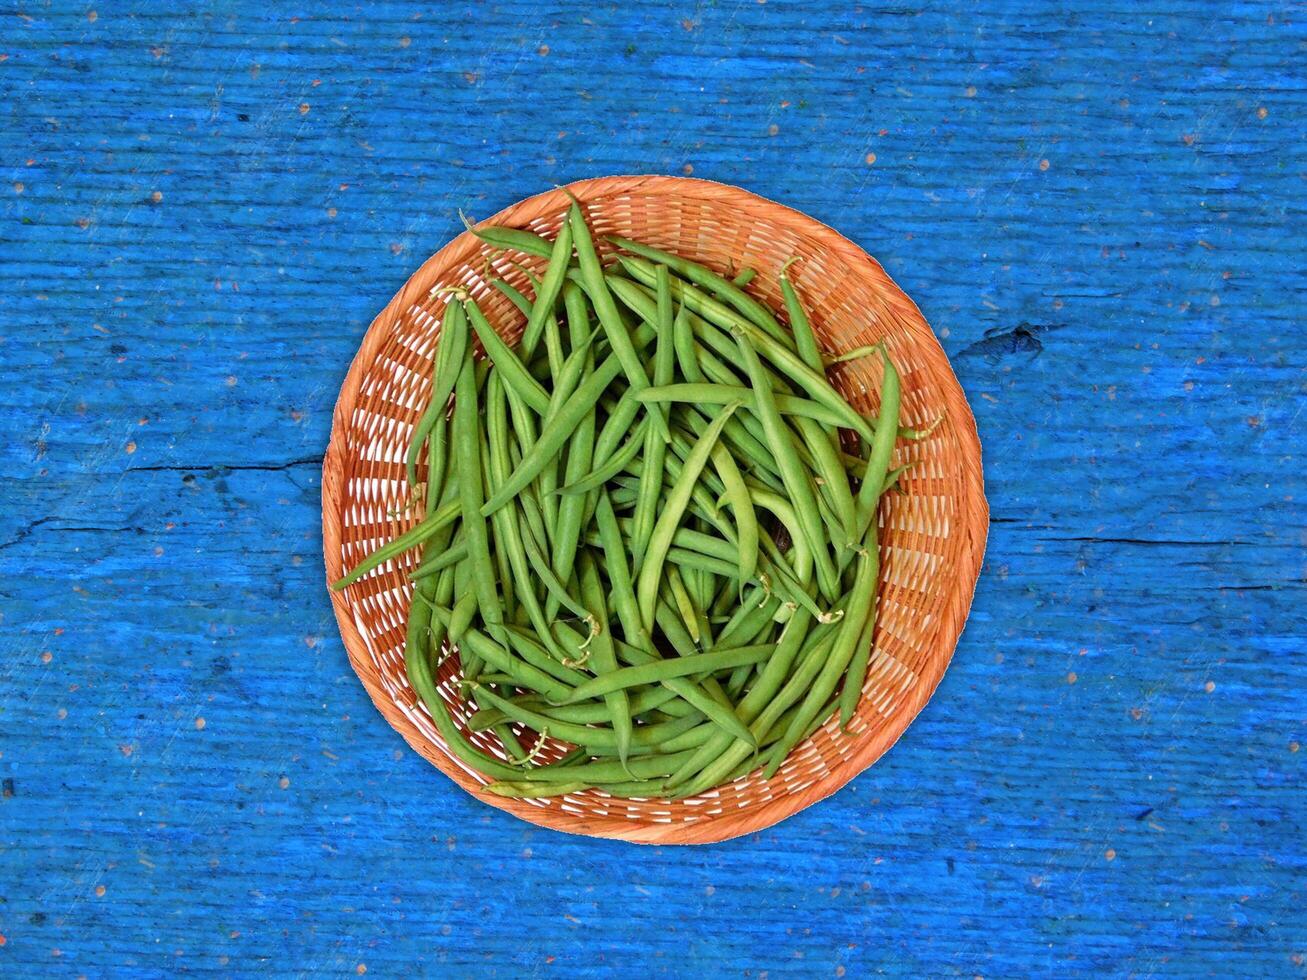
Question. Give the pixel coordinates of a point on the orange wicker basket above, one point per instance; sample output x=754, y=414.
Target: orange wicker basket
x=932, y=536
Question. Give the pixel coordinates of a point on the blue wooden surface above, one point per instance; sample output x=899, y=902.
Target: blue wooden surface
x=1100, y=209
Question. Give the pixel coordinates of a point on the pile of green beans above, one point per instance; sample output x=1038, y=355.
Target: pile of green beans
x=650, y=525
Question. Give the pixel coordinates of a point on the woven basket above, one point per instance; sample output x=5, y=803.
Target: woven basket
x=931, y=541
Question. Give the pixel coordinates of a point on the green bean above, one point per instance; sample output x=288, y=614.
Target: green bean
x=805, y=341
x=776, y=690
x=834, y=482
x=561, y=427
x=618, y=424
x=423, y=680
x=694, y=560
x=882, y=448
x=515, y=375
x=554, y=355
x=711, y=393
x=798, y=483
x=753, y=613
x=744, y=277
x=533, y=651
x=522, y=673
x=615, y=464
x=852, y=355
x=746, y=519
x=557, y=590
x=437, y=460
x=685, y=348
x=778, y=505
x=593, y=738
x=851, y=693
x=467, y=446
x=443, y=516
x=735, y=684
x=655, y=447
x=681, y=602
x=842, y=651
x=533, y=519
x=619, y=575
x=514, y=295
x=508, y=532
x=513, y=239
x=592, y=280
x=419, y=627
x=605, y=771
x=716, y=370
x=588, y=714
x=709, y=700
x=569, y=376
x=892, y=479
x=673, y=508
x=549, y=288
x=460, y=617
x=604, y=659
x=742, y=301
x=702, y=588
x=499, y=549
x=571, y=508
x=577, y=312
x=792, y=366
x=525, y=789
x=699, y=663
x=449, y=359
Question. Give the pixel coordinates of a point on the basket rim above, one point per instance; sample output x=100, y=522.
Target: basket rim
x=723, y=825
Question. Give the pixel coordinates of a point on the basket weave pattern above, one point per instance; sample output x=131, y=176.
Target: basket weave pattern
x=932, y=536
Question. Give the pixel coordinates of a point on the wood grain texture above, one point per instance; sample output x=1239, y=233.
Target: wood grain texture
x=1099, y=208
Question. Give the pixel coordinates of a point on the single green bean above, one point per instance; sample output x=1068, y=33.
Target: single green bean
x=508, y=531
x=699, y=663
x=442, y=517
x=681, y=601
x=707, y=699
x=592, y=281
x=450, y=347
x=746, y=519
x=571, y=508
x=661, y=698
x=593, y=738
x=604, y=658
x=550, y=286
x=882, y=448
x=833, y=480
x=515, y=374
x=514, y=295
x=605, y=771
x=467, y=446
x=669, y=518
x=513, y=239
x=655, y=447
x=557, y=590
x=805, y=341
